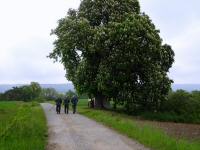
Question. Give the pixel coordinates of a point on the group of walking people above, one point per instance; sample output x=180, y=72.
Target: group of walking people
x=66, y=102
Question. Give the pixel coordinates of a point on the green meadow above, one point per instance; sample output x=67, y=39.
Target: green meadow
x=22, y=126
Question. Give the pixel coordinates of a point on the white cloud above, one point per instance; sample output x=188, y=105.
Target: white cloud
x=28, y=62
x=187, y=48
x=25, y=27
x=179, y=24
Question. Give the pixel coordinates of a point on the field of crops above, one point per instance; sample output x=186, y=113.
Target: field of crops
x=22, y=126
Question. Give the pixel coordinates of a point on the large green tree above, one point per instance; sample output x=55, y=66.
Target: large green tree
x=111, y=50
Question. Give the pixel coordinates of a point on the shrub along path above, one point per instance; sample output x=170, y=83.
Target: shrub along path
x=76, y=132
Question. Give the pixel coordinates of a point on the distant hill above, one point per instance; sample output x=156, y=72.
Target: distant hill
x=62, y=88
x=186, y=87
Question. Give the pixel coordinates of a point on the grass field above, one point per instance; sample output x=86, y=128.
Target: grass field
x=22, y=126
x=146, y=135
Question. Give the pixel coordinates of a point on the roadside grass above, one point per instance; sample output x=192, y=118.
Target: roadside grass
x=22, y=126
x=147, y=135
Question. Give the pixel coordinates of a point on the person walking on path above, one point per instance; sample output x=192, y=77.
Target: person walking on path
x=74, y=103
x=58, y=105
x=66, y=104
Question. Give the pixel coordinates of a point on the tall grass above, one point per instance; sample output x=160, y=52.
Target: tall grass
x=22, y=127
x=146, y=135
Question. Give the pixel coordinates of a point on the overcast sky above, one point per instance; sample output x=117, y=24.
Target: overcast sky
x=25, y=39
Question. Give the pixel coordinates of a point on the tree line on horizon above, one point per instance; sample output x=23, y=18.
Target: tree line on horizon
x=181, y=106
x=33, y=92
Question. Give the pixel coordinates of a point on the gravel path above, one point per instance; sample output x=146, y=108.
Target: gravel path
x=76, y=132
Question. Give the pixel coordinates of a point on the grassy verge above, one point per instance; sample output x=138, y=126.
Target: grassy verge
x=146, y=135
x=22, y=126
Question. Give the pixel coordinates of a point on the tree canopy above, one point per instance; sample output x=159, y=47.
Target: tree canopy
x=112, y=50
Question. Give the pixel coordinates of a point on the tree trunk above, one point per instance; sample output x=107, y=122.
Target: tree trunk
x=101, y=102
x=115, y=104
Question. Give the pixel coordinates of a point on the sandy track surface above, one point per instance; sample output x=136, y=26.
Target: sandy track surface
x=76, y=132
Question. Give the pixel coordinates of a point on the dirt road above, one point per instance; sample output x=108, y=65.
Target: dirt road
x=76, y=132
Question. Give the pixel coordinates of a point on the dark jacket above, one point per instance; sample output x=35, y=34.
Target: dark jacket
x=59, y=101
x=74, y=100
x=66, y=101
